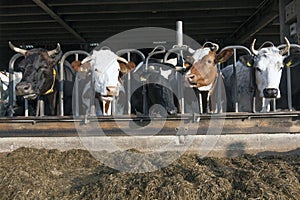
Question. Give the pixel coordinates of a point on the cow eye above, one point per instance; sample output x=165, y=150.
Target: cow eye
x=209, y=61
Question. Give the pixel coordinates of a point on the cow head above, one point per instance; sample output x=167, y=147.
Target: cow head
x=268, y=63
x=203, y=71
x=38, y=71
x=107, y=70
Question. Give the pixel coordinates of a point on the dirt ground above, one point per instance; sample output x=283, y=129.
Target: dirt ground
x=51, y=174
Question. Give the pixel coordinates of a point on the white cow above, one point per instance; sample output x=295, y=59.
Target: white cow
x=267, y=63
x=107, y=68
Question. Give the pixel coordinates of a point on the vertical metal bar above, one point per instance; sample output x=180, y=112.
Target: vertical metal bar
x=289, y=87
x=219, y=90
x=76, y=95
x=179, y=41
x=179, y=35
x=236, y=103
x=61, y=88
x=128, y=88
x=26, y=107
x=42, y=107
x=200, y=103
x=11, y=89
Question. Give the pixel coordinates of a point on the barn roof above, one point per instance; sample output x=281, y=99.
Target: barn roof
x=80, y=22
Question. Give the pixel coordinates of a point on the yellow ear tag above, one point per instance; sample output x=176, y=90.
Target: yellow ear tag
x=249, y=64
x=289, y=64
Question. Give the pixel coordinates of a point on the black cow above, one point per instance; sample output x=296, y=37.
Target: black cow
x=293, y=62
x=39, y=75
x=155, y=86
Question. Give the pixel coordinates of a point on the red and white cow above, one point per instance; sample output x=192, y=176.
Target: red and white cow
x=203, y=73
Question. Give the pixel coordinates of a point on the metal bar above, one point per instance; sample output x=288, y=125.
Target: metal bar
x=128, y=52
x=179, y=41
x=61, y=76
x=236, y=103
x=11, y=89
x=26, y=107
x=219, y=90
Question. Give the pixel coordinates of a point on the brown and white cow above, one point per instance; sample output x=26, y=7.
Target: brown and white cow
x=107, y=69
x=202, y=76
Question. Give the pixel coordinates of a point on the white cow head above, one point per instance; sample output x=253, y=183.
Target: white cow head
x=268, y=63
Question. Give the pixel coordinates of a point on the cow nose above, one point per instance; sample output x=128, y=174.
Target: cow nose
x=23, y=88
x=191, y=77
x=270, y=92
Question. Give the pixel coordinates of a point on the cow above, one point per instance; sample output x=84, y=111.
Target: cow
x=198, y=72
x=293, y=62
x=39, y=75
x=258, y=75
x=203, y=74
x=152, y=92
x=106, y=68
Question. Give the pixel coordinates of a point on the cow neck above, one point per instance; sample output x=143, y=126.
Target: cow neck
x=53, y=82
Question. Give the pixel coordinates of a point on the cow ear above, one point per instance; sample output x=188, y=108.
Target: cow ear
x=224, y=55
x=247, y=60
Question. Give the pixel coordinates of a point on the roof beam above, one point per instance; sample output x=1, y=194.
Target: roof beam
x=265, y=14
x=57, y=18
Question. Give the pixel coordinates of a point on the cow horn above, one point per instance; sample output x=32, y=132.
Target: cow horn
x=16, y=49
x=287, y=48
x=215, y=47
x=54, y=51
x=122, y=60
x=86, y=59
x=255, y=52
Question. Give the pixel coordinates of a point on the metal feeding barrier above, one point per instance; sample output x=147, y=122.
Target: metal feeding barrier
x=75, y=53
x=128, y=53
x=236, y=103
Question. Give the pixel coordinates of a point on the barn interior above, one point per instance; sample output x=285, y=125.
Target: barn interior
x=81, y=24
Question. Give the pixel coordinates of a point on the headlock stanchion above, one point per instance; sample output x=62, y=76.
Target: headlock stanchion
x=179, y=50
x=235, y=48
x=157, y=50
x=288, y=77
x=128, y=53
x=11, y=87
x=76, y=53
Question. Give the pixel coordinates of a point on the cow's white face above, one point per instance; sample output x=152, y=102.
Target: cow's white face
x=106, y=73
x=268, y=64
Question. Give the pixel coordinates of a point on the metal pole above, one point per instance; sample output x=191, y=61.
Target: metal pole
x=26, y=107
x=11, y=89
x=219, y=96
x=179, y=41
x=128, y=88
x=61, y=76
x=289, y=88
x=236, y=103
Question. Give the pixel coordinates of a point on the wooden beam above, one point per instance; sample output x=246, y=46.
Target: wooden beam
x=57, y=18
x=265, y=14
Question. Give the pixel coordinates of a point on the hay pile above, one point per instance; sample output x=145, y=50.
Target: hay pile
x=50, y=174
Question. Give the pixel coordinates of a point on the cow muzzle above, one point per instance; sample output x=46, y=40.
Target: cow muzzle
x=112, y=91
x=192, y=79
x=270, y=93
x=24, y=88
